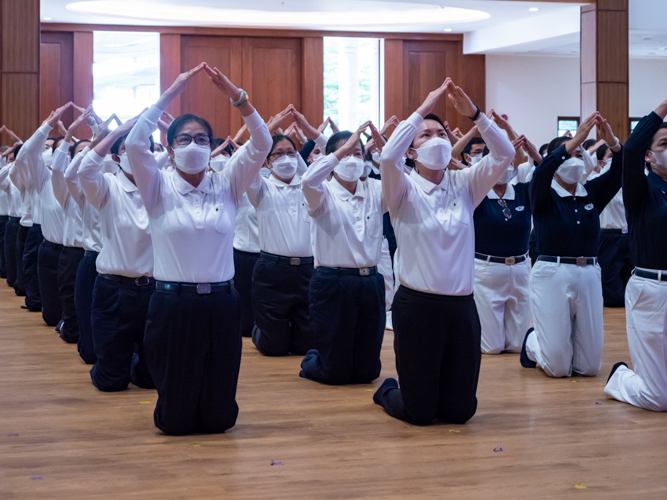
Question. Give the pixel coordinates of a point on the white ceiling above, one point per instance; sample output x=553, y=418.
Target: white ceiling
x=508, y=27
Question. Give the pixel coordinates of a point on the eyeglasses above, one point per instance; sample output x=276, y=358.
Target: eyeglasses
x=200, y=139
x=275, y=156
x=506, y=211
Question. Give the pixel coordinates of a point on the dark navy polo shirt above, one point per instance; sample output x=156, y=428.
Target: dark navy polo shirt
x=569, y=226
x=645, y=199
x=497, y=235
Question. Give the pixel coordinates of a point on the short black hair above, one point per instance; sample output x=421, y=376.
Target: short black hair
x=16, y=151
x=471, y=143
x=588, y=143
x=119, y=141
x=182, y=120
x=72, y=148
x=338, y=139
x=543, y=149
x=648, y=146
x=602, y=150
x=278, y=138
x=430, y=116
x=556, y=143
x=56, y=140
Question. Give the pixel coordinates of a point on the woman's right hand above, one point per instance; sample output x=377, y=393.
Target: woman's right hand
x=432, y=99
x=582, y=134
x=178, y=86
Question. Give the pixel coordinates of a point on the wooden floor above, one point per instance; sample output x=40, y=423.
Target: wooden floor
x=61, y=438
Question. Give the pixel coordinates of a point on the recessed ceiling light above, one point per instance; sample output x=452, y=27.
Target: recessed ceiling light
x=46, y=18
x=533, y=9
x=448, y=29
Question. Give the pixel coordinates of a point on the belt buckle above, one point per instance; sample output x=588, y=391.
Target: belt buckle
x=510, y=261
x=364, y=271
x=582, y=261
x=141, y=281
x=203, y=288
x=624, y=230
x=295, y=261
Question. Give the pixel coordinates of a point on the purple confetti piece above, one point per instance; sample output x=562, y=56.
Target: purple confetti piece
x=276, y=463
x=496, y=450
x=597, y=403
x=12, y=435
x=37, y=478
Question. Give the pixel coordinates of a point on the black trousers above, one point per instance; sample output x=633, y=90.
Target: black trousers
x=84, y=287
x=193, y=349
x=19, y=283
x=244, y=265
x=280, y=305
x=3, y=263
x=47, y=273
x=68, y=263
x=11, y=235
x=33, y=300
x=615, y=264
x=118, y=320
x=437, y=342
x=347, y=314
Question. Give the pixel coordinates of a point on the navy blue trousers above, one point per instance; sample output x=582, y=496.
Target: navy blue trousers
x=11, y=235
x=437, y=342
x=348, y=317
x=33, y=300
x=118, y=320
x=19, y=283
x=68, y=263
x=47, y=273
x=280, y=305
x=615, y=264
x=84, y=287
x=244, y=265
x=193, y=349
x=3, y=263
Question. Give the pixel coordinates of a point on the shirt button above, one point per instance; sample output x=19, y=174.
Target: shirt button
x=576, y=210
x=578, y=222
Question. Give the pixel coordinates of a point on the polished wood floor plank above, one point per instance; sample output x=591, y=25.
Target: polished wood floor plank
x=60, y=438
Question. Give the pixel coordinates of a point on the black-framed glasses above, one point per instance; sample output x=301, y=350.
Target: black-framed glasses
x=506, y=211
x=275, y=156
x=186, y=139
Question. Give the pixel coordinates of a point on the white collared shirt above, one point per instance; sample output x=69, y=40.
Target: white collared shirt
x=580, y=191
x=613, y=215
x=73, y=230
x=346, y=228
x=282, y=216
x=434, y=223
x=246, y=233
x=127, y=249
x=193, y=227
x=12, y=193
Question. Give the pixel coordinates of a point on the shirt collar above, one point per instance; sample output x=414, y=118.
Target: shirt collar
x=343, y=193
x=509, y=193
x=657, y=181
x=427, y=186
x=564, y=193
x=296, y=180
x=125, y=183
x=184, y=187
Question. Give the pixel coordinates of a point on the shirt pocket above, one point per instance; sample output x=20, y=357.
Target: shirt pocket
x=453, y=212
x=373, y=222
x=303, y=208
x=222, y=220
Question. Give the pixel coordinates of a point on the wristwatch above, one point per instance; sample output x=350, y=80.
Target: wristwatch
x=473, y=118
x=243, y=98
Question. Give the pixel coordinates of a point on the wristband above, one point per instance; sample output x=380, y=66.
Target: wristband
x=243, y=98
x=473, y=118
x=617, y=144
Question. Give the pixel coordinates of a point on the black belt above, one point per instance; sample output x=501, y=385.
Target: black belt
x=614, y=230
x=578, y=261
x=289, y=261
x=652, y=275
x=4, y=217
x=349, y=271
x=52, y=244
x=124, y=280
x=91, y=253
x=200, y=288
x=508, y=261
x=17, y=219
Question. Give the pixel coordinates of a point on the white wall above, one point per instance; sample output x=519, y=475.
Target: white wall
x=534, y=90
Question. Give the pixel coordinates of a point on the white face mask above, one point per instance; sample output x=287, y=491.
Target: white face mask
x=435, y=154
x=508, y=176
x=350, y=168
x=368, y=167
x=376, y=157
x=125, y=164
x=219, y=163
x=285, y=167
x=47, y=155
x=265, y=172
x=192, y=158
x=659, y=163
x=474, y=160
x=571, y=170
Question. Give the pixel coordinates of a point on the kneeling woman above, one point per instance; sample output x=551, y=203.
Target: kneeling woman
x=193, y=337
x=436, y=326
x=347, y=307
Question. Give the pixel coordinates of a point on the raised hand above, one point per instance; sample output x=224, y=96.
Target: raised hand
x=217, y=151
x=583, y=132
x=275, y=122
x=334, y=127
x=460, y=100
x=178, y=86
x=101, y=132
x=350, y=145
x=433, y=97
x=83, y=118
x=377, y=138
x=393, y=121
x=55, y=116
x=239, y=134
x=308, y=130
x=605, y=132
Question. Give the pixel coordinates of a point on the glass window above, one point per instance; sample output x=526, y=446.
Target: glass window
x=126, y=73
x=353, y=81
x=633, y=123
x=567, y=124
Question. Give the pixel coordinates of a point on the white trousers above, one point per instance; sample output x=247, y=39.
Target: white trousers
x=566, y=301
x=646, y=319
x=385, y=269
x=501, y=296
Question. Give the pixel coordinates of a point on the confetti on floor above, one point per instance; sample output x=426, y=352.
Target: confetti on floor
x=276, y=463
x=12, y=435
x=144, y=402
x=369, y=390
x=454, y=430
x=195, y=445
x=580, y=486
x=597, y=403
x=573, y=381
x=496, y=450
x=36, y=478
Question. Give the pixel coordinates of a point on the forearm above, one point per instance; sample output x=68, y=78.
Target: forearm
x=72, y=177
x=245, y=164
x=58, y=167
x=540, y=186
x=459, y=146
x=144, y=165
x=92, y=180
x=313, y=180
x=394, y=183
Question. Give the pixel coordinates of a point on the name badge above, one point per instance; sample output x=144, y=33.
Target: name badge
x=519, y=208
x=589, y=206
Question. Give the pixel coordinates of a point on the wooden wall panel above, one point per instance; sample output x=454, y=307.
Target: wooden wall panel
x=56, y=74
x=312, y=83
x=170, y=67
x=393, y=79
x=613, y=58
x=20, y=36
x=83, y=68
x=272, y=74
x=201, y=97
x=473, y=80
x=20, y=102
